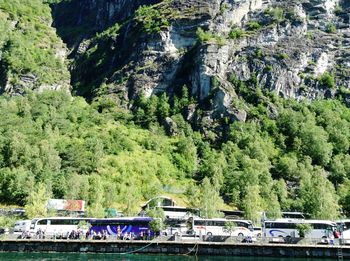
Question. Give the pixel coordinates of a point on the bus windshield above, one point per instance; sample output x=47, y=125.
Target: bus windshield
x=32, y=223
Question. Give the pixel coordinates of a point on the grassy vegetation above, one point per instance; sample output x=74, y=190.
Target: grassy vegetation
x=253, y=26
x=207, y=36
x=276, y=15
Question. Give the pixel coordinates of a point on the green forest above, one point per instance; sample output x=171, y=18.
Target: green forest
x=296, y=159
x=287, y=156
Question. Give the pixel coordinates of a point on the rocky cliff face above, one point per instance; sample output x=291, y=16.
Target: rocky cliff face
x=297, y=49
x=79, y=20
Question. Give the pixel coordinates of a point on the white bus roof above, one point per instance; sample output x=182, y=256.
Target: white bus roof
x=60, y=218
x=311, y=221
x=223, y=219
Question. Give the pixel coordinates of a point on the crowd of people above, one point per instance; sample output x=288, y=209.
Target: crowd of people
x=89, y=235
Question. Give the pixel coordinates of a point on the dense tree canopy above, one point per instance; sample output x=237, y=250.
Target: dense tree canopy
x=79, y=153
x=72, y=149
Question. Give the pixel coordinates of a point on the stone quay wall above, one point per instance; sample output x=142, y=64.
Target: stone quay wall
x=172, y=247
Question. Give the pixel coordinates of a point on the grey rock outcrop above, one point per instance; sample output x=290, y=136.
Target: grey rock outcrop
x=287, y=46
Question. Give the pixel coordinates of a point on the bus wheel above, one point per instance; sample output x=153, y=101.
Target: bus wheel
x=240, y=235
x=258, y=235
x=176, y=234
x=209, y=234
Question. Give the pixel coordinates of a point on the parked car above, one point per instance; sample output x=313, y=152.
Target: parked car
x=21, y=226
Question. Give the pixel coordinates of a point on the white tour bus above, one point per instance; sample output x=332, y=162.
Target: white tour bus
x=54, y=226
x=220, y=227
x=288, y=228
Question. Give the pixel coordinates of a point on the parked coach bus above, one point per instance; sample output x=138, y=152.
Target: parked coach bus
x=123, y=226
x=55, y=225
x=289, y=228
x=112, y=226
x=220, y=227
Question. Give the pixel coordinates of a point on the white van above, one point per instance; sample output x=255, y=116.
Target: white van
x=21, y=226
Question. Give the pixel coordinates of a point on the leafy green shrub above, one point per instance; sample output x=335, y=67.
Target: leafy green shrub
x=203, y=36
x=253, y=26
x=236, y=33
x=230, y=227
x=157, y=224
x=276, y=14
x=331, y=29
x=220, y=40
x=309, y=35
x=338, y=10
x=259, y=53
x=152, y=19
x=7, y=222
x=327, y=80
x=223, y=8
x=110, y=32
x=215, y=82
x=283, y=56
x=268, y=68
x=304, y=229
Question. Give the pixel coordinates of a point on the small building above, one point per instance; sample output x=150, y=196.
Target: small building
x=171, y=210
x=160, y=201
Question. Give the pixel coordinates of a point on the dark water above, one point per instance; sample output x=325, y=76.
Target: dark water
x=105, y=257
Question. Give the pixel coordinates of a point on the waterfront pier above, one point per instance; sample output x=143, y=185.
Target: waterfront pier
x=177, y=248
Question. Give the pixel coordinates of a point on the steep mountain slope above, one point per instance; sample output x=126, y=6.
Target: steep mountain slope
x=155, y=73
x=32, y=56
x=298, y=49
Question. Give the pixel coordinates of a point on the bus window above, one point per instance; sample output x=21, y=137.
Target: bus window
x=42, y=222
